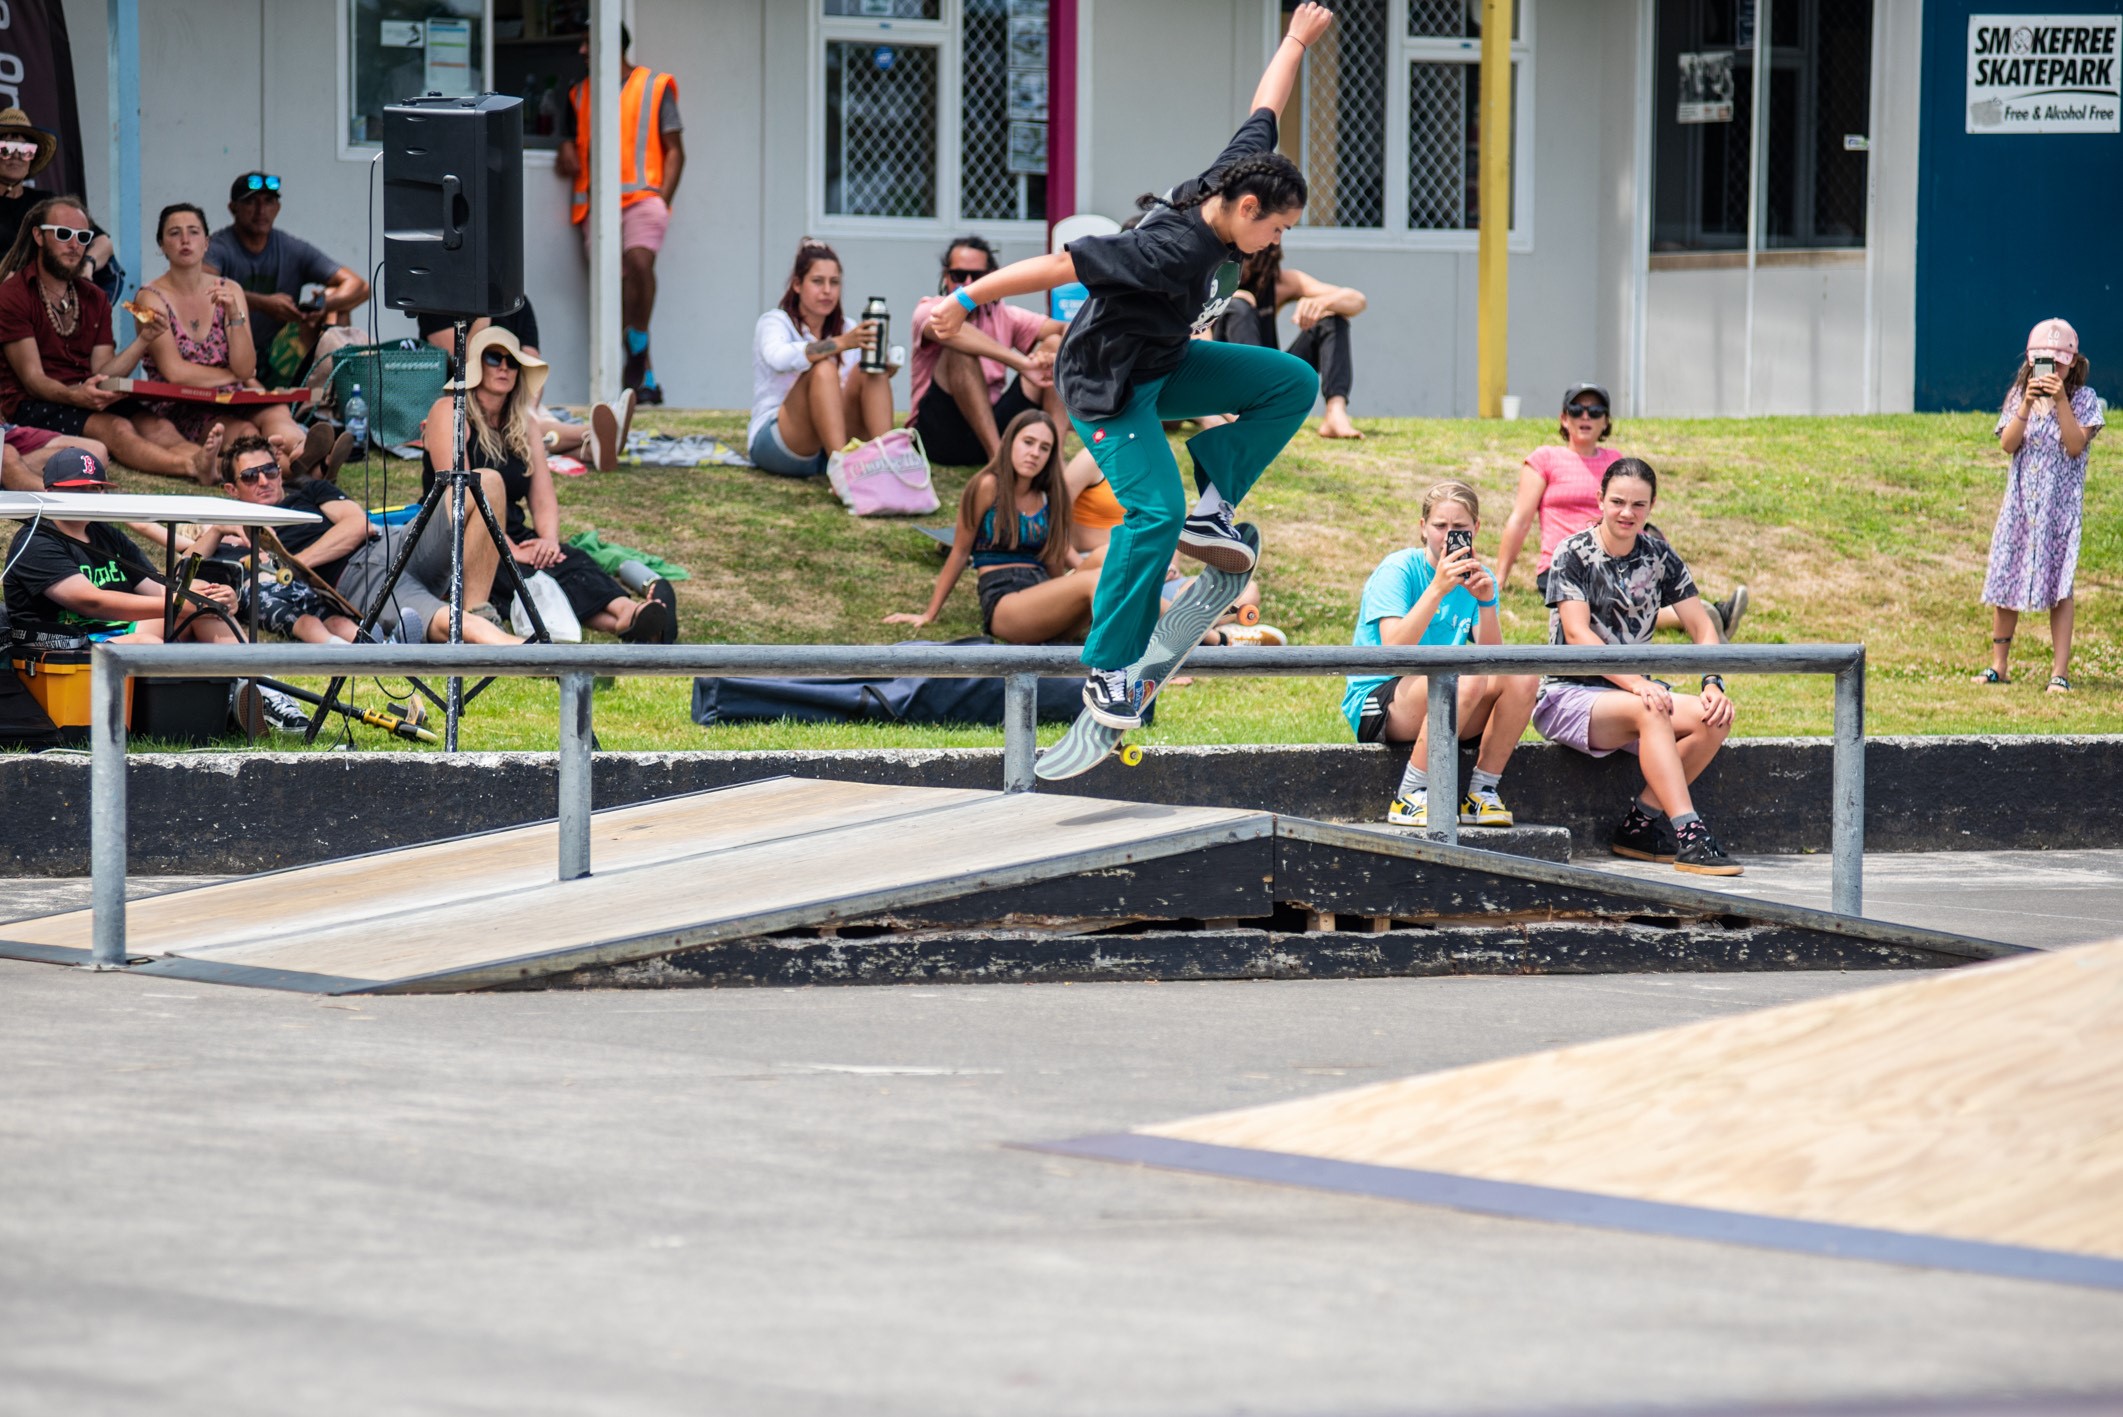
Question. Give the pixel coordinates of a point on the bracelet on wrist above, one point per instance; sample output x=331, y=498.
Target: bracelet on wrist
x=965, y=298
x=1489, y=604
x=1714, y=679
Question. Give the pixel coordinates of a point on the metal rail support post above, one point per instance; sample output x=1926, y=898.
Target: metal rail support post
x=106, y=799
x=1443, y=768
x=1846, y=879
x=574, y=769
x=1020, y=731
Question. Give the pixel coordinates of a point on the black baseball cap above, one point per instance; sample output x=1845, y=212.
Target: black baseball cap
x=70, y=468
x=254, y=184
x=1571, y=394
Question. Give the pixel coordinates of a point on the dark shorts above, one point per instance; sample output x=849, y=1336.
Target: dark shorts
x=1002, y=581
x=61, y=418
x=945, y=435
x=588, y=588
x=1540, y=586
x=280, y=606
x=1371, y=718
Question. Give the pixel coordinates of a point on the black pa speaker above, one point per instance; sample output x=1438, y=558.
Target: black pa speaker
x=453, y=205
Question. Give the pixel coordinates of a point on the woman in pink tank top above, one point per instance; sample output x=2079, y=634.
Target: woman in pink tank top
x=1560, y=488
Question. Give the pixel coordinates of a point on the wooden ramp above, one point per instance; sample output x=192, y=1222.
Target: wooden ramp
x=681, y=872
x=1969, y=1120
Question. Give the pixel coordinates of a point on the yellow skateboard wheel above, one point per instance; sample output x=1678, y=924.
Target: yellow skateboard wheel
x=1130, y=755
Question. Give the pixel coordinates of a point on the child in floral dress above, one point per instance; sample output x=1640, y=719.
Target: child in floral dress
x=2049, y=419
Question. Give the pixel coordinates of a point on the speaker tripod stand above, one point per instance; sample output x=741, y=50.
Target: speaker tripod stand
x=457, y=484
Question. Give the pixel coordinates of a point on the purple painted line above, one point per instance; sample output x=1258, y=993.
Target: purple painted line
x=1526, y=1202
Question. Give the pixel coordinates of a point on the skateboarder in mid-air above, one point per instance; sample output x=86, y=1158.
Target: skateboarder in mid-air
x=1129, y=361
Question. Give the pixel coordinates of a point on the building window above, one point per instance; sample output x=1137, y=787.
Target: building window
x=1818, y=88
x=538, y=58
x=1370, y=169
x=400, y=49
x=934, y=110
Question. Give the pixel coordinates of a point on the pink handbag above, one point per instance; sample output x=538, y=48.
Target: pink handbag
x=885, y=477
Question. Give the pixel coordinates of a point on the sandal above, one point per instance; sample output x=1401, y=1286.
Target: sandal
x=2058, y=684
x=1992, y=676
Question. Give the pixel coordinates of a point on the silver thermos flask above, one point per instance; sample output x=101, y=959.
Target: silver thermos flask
x=873, y=358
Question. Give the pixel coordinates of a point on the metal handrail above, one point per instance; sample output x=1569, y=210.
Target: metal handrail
x=1020, y=667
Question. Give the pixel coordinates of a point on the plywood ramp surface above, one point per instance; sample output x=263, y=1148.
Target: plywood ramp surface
x=1982, y=1104
x=981, y=841
x=308, y=899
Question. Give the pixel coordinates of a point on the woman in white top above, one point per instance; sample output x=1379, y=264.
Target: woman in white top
x=809, y=392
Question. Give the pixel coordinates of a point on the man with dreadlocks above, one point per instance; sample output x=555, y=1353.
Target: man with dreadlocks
x=1130, y=360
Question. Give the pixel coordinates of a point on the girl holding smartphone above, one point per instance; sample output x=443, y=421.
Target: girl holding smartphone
x=2049, y=420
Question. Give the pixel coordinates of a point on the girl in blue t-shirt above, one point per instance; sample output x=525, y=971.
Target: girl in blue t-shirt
x=1130, y=361
x=1428, y=595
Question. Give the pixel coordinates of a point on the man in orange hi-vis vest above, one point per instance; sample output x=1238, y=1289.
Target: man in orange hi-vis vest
x=652, y=154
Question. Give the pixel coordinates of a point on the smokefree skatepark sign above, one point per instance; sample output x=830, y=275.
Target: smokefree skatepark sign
x=2044, y=73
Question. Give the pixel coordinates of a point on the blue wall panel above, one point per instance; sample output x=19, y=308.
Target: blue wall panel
x=2010, y=229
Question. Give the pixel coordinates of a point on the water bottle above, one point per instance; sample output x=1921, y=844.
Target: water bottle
x=357, y=417
x=635, y=576
x=873, y=358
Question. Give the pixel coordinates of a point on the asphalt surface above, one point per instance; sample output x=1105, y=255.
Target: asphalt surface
x=226, y=1201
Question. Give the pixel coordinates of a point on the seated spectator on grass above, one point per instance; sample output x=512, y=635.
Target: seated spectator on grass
x=251, y=472
x=599, y=442
x=55, y=330
x=274, y=271
x=962, y=391
x=25, y=451
x=1606, y=586
x=1323, y=315
x=1438, y=593
x=25, y=151
x=88, y=580
x=809, y=394
x=204, y=343
x=1559, y=487
x=498, y=438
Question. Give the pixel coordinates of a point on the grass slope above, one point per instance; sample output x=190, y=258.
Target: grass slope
x=1845, y=529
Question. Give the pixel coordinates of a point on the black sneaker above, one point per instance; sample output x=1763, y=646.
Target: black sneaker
x=1212, y=538
x=1641, y=838
x=1730, y=609
x=1113, y=698
x=283, y=712
x=1700, y=853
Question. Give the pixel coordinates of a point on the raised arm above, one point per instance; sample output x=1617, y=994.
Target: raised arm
x=1307, y=23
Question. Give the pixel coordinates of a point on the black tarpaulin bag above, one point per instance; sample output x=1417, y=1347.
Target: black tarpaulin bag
x=907, y=699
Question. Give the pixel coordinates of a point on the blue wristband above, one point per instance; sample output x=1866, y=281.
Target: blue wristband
x=1485, y=604
x=964, y=298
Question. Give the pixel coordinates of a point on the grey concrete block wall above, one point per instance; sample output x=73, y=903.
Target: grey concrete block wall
x=213, y=813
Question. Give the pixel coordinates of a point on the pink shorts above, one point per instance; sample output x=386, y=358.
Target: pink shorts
x=642, y=225
x=1563, y=714
x=27, y=440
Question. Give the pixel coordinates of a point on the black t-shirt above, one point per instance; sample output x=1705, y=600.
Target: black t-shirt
x=312, y=495
x=1151, y=289
x=41, y=556
x=515, y=479
x=522, y=323
x=1623, y=593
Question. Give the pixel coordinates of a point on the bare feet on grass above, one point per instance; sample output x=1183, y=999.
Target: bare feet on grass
x=1336, y=423
x=203, y=470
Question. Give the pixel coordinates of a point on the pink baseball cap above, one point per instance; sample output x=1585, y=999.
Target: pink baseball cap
x=2055, y=336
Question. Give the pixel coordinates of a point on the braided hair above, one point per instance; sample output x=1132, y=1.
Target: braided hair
x=1268, y=177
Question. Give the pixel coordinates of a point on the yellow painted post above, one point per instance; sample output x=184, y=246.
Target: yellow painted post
x=1493, y=279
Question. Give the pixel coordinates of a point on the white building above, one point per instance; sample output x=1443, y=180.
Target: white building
x=817, y=116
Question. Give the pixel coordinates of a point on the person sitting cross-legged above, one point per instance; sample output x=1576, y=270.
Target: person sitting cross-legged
x=1439, y=594
x=1323, y=314
x=499, y=438
x=88, y=580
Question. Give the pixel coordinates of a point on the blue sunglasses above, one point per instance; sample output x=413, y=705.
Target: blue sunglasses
x=260, y=182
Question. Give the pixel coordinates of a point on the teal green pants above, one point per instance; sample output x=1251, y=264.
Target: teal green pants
x=1271, y=392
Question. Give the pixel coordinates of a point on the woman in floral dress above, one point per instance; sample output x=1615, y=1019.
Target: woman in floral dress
x=2049, y=419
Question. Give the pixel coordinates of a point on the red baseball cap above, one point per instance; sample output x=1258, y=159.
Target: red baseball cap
x=74, y=467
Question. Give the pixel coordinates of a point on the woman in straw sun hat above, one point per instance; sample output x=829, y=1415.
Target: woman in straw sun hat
x=25, y=151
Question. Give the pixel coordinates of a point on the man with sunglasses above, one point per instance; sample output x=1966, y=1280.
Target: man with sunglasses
x=272, y=267
x=56, y=346
x=962, y=392
x=251, y=472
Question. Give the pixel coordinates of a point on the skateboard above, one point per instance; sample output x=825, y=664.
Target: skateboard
x=1208, y=600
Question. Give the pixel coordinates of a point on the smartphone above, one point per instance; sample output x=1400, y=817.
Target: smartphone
x=1456, y=541
x=2044, y=368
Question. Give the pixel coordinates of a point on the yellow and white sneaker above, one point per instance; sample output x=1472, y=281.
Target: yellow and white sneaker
x=1410, y=809
x=1481, y=807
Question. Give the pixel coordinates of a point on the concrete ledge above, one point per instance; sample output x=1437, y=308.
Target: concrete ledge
x=212, y=813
